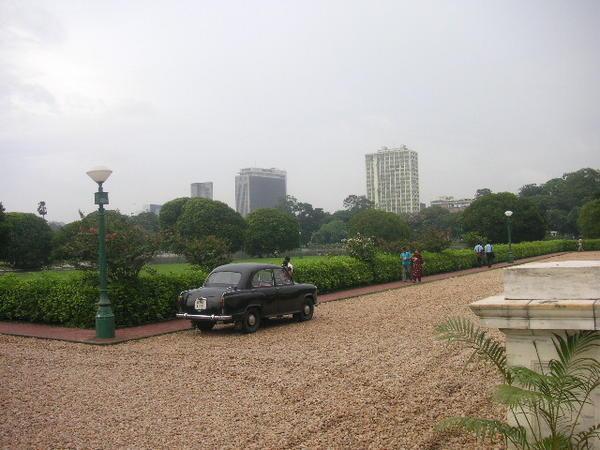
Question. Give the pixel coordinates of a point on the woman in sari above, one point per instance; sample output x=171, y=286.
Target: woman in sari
x=417, y=266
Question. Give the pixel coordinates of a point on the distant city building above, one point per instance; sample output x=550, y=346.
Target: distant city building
x=259, y=188
x=154, y=209
x=452, y=204
x=393, y=179
x=203, y=190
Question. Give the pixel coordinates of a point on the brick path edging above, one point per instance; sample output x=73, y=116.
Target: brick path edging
x=86, y=336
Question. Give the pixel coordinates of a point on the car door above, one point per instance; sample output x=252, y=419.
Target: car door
x=263, y=287
x=287, y=298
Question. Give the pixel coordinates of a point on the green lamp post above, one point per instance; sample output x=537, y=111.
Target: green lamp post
x=510, y=255
x=105, y=319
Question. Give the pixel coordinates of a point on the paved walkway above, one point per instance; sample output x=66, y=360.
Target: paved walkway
x=130, y=333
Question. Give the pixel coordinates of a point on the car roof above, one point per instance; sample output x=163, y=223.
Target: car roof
x=244, y=267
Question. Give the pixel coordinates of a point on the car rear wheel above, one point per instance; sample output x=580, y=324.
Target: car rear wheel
x=308, y=308
x=251, y=321
x=203, y=325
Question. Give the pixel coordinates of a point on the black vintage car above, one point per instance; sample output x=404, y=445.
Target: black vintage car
x=244, y=294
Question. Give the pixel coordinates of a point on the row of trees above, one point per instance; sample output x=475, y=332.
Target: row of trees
x=207, y=232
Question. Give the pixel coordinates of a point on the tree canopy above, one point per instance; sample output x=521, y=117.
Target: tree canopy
x=357, y=203
x=485, y=216
x=382, y=225
x=128, y=246
x=147, y=220
x=309, y=218
x=436, y=218
x=331, y=232
x=589, y=219
x=170, y=212
x=560, y=199
x=270, y=230
x=28, y=240
x=482, y=192
x=2, y=226
x=201, y=217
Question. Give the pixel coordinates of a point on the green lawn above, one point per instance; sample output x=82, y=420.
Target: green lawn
x=160, y=268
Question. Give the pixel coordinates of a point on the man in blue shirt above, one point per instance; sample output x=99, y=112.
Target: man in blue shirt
x=406, y=262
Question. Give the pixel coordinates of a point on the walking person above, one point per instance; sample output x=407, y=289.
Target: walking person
x=406, y=263
x=417, y=266
x=478, y=249
x=489, y=254
x=580, y=245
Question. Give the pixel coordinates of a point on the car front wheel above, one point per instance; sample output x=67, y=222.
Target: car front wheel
x=203, y=325
x=251, y=321
x=307, y=311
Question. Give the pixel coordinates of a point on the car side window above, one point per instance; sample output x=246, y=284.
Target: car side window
x=282, y=277
x=262, y=278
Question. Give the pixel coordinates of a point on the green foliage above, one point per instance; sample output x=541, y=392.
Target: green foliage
x=485, y=216
x=72, y=301
x=472, y=239
x=357, y=203
x=386, y=268
x=128, y=246
x=360, y=247
x=381, y=225
x=560, y=199
x=170, y=212
x=167, y=218
x=28, y=241
x=3, y=230
x=551, y=400
x=331, y=233
x=207, y=252
x=433, y=240
x=147, y=221
x=201, y=217
x=309, y=218
x=42, y=210
x=484, y=347
x=589, y=219
x=333, y=273
x=270, y=231
x=438, y=219
x=482, y=192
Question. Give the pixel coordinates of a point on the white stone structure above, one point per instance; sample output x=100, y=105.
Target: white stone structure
x=542, y=299
x=393, y=179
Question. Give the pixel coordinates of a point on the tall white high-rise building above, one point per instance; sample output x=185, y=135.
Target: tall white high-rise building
x=203, y=190
x=393, y=179
x=259, y=188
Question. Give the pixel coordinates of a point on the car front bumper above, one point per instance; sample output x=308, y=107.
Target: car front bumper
x=208, y=317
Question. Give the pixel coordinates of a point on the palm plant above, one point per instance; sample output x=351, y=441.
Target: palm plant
x=545, y=407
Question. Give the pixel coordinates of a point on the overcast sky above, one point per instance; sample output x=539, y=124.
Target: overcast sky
x=489, y=93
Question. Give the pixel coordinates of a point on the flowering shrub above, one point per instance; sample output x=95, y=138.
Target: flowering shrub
x=360, y=247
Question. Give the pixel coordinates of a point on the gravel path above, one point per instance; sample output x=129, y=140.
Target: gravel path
x=364, y=373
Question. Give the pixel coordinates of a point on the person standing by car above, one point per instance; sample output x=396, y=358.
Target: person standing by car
x=417, y=266
x=406, y=263
x=479, y=254
x=489, y=254
x=288, y=267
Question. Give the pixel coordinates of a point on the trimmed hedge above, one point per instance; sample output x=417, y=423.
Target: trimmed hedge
x=152, y=297
x=343, y=272
x=72, y=302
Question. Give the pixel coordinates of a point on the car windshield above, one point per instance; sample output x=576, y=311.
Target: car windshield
x=223, y=279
